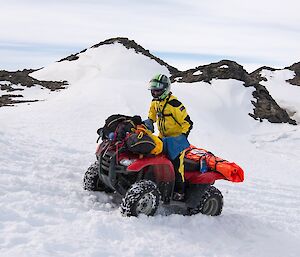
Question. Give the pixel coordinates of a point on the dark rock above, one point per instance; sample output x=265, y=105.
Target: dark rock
x=296, y=68
x=267, y=108
x=23, y=80
x=224, y=69
x=256, y=77
x=72, y=57
x=9, y=88
x=10, y=100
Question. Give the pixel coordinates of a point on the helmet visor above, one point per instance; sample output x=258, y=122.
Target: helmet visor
x=156, y=85
x=157, y=93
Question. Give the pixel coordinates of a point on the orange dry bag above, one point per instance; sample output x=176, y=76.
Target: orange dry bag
x=229, y=170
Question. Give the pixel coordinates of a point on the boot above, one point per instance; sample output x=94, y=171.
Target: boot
x=178, y=196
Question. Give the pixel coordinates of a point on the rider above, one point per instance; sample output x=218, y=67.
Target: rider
x=174, y=125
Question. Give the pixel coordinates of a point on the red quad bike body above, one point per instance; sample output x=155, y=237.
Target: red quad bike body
x=145, y=181
x=164, y=171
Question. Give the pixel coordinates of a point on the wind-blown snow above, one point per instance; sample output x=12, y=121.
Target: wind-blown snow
x=46, y=147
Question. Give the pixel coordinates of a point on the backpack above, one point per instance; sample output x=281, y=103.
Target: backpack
x=113, y=122
x=140, y=143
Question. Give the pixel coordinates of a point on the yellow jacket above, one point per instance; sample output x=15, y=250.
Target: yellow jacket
x=171, y=117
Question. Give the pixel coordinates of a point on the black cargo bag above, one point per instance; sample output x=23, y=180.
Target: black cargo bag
x=140, y=143
x=114, y=121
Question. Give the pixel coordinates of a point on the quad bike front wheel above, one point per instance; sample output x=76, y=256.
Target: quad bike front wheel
x=92, y=182
x=141, y=198
x=211, y=203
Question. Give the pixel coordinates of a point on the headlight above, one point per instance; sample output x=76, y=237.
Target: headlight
x=127, y=162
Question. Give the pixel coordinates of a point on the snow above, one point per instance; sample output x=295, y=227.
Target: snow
x=178, y=78
x=107, y=61
x=46, y=147
x=4, y=82
x=224, y=67
x=198, y=72
x=285, y=94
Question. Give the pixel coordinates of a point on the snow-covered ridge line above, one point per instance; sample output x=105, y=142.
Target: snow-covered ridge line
x=265, y=106
x=129, y=44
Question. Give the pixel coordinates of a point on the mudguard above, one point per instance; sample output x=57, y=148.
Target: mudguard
x=160, y=166
x=196, y=177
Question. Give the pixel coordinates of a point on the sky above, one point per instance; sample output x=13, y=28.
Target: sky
x=36, y=33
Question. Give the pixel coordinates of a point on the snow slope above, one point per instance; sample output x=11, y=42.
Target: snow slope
x=285, y=94
x=46, y=147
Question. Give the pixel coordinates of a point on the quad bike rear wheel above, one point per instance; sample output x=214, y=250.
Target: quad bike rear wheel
x=92, y=182
x=211, y=203
x=141, y=198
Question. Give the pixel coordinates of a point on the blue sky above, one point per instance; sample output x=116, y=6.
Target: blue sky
x=185, y=33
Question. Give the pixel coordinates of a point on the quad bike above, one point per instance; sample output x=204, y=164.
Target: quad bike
x=144, y=182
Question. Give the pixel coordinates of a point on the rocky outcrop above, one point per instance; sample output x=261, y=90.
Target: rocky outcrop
x=224, y=69
x=17, y=81
x=296, y=68
x=23, y=79
x=129, y=44
x=256, y=76
x=11, y=99
x=265, y=106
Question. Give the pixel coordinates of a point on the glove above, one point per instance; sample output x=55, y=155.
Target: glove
x=149, y=124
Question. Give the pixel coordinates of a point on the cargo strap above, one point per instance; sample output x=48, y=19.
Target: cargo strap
x=161, y=115
x=216, y=161
x=207, y=155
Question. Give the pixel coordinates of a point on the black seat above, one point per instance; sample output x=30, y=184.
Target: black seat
x=190, y=165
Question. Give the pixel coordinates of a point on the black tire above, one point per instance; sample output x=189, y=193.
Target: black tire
x=91, y=181
x=141, y=198
x=211, y=203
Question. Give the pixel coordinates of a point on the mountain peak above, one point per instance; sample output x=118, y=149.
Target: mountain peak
x=129, y=44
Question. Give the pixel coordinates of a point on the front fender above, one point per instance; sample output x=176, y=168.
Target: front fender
x=160, y=166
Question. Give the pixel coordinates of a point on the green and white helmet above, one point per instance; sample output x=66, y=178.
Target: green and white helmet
x=160, y=86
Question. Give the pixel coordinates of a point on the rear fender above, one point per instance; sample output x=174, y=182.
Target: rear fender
x=196, y=177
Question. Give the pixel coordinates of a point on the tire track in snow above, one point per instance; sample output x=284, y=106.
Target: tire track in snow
x=45, y=212
x=273, y=203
